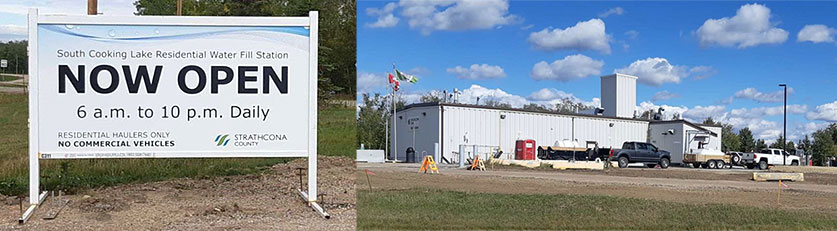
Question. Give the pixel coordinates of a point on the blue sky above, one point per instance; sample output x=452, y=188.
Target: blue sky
x=700, y=59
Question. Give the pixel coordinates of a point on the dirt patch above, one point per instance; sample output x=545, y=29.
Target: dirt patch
x=693, y=186
x=267, y=201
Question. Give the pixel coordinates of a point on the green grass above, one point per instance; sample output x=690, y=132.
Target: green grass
x=433, y=209
x=6, y=78
x=336, y=135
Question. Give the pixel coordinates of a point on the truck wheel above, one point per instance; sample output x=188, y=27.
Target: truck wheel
x=664, y=163
x=696, y=165
x=711, y=164
x=763, y=165
x=736, y=159
x=623, y=162
x=720, y=164
x=795, y=163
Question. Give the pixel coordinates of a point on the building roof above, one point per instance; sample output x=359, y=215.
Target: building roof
x=436, y=104
x=694, y=125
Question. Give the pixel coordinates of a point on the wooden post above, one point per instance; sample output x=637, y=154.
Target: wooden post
x=92, y=7
x=779, y=194
x=179, y=7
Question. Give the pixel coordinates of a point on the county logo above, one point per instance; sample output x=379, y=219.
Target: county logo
x=221, y=140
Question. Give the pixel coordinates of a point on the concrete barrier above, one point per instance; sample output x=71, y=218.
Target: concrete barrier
x=804, y=169
x=775, y=176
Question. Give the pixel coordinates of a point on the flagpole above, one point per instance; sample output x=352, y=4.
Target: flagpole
x=394, y=127
x=386, y=131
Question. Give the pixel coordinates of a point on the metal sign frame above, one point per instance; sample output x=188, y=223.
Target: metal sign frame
x=312, y=22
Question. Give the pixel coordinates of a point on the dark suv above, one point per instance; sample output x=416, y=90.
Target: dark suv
x=641, y=152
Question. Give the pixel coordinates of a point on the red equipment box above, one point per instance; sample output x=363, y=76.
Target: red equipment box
x=524, y=150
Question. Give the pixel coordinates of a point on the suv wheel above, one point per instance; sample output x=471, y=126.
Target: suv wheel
x=665, y=162
x=623, y=162
x=763, y=165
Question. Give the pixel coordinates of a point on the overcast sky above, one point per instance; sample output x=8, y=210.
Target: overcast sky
x=721, y=59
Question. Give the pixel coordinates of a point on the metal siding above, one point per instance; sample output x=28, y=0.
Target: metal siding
x=485, y=128
x=425, y=137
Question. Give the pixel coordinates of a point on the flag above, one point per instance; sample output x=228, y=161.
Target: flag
x=395, y=86
x=391, y=78
x=400, y=76
x=369, y=172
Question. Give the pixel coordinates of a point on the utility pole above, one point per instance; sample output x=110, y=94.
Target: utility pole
x=92, y=7
x=179, y=7
x=785, y=126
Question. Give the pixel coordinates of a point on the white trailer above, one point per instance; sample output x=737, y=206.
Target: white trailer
x=674, y=136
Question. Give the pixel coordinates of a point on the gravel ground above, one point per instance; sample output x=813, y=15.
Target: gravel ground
x=268, y=201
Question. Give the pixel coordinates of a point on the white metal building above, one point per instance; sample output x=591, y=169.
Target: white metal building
x=422, y=126
x=428, y=126
x=675, y=135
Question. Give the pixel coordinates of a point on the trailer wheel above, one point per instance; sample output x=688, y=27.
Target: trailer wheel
x=719, y=164
x=736, y=159
x=711, y=164
x=623, y=162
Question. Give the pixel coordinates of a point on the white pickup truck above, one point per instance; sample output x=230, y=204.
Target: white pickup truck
x=767, y=157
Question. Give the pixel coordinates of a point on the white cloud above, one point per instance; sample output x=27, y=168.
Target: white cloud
x=527, y=27
x=772, y=97
x=702, y=72
x=664, y=95
x=547, y=94
x=760, y=112
x=816, y=34
x=632, y=34
x=586, y=35
x=668, y=110
x=12, y=29
x=700, y=113
x=456, y=15
x=825, y=112
x=612, y=11
x=485, y=94
x=385, y=16
x=569, y=68
x=370, y=82
x=478, y=71
x=654, y=71
x=750, y=26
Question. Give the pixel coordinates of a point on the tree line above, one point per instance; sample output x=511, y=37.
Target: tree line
x=15, y=54
x=337, y=32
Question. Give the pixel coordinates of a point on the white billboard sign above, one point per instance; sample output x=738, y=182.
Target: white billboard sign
x=173, y=87
x=4, y=63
